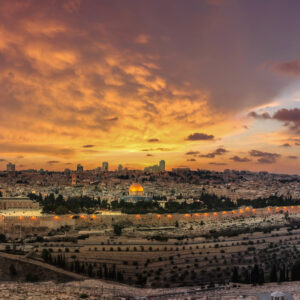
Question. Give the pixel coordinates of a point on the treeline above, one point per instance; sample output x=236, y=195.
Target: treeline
x=256, y=274
x=102, y=271
x=59, y=205
x=204, y=203
x=270, y=201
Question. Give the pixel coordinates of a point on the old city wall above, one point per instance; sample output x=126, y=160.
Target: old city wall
x=22, y=226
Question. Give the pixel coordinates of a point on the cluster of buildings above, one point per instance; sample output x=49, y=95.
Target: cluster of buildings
x=104, y=167
x=161, y=167
x=180, y=184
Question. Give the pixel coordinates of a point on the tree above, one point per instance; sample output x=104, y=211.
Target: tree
x=235, y=275
x=117, y=229
x=61, y=210
x=255, y=275
x=45, y=255
x=296, y=270
x=282, y=276
x=2, y=238
x=12, y=270
x=273, y=274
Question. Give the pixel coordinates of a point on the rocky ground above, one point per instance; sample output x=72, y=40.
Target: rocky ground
x=96, y=289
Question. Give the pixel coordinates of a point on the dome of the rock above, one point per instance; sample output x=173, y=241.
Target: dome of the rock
x=136, y=189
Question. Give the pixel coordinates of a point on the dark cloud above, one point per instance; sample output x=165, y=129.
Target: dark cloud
x=217, y=164
x=2, y=159
x=200, y=137
x=292, y=157
x=291, y=67
x=217, y=152
x=291, y=117
x=160, y=149
x=240, y=159
x=191, y=159
x=192, y=153
x=88, y=146
x=153, y=140
x=286, y=145
x=255, y=115
x=35, y=149
x=53, y=162
x=265, y=157
x=149, y=154
x=297, y=144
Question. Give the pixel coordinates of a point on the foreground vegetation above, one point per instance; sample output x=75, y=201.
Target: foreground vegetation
x=205, y=203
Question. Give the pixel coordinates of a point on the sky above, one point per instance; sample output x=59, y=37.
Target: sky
x=209, y=84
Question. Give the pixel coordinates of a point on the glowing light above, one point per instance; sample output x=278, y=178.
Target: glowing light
x=93, y=217
x=215, y=213
x=138, y=216
x=277, y=208
x=196, y=215
x=224, y=212
x=169, y=216
x=33, y=218
x=247, y=208
x=82, y=217
x=71, y=217
x=284, y=207
x=234, y=212
x=241, y=211
x=253, y=210
x=205, y=214
x=292, y=206
x=56, y=218
x=187, y=215
x=158, y=216
x=21, y=218
x=269, y=209
x=136, y=189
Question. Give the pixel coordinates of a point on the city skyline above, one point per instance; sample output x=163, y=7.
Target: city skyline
x=206, y=84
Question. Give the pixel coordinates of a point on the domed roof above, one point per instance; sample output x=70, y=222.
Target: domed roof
x=136, y=187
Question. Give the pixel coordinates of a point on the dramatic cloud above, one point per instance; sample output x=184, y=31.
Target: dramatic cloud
x=286, y=145
x=79, y=73
x=291, y=117
x=240, y=159
x=191, y=159
x=153, y=140
x=217, y=164
x=192, y=153
x=291, y=68
x=292, y=157
x=265, y=157
x=200, y=137
x=148, y=154
x=217, y=152
x=255, y=115
x=52, y=162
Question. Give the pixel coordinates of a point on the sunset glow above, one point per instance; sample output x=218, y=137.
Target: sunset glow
x=91, y=81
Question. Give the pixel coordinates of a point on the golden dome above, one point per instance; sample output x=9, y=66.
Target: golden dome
x=136, y=189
